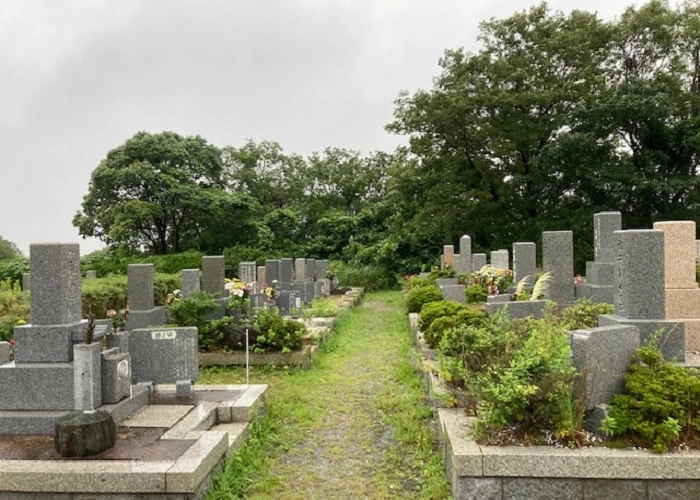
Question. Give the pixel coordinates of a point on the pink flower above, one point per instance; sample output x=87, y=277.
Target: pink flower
x=111, y=313
x=12, y=342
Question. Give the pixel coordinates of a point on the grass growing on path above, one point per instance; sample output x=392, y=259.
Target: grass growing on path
x=352, y=426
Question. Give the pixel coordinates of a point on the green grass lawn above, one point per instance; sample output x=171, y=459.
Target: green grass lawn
x=351, y=426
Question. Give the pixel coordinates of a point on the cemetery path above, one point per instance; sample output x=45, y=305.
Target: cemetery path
x=353, y=425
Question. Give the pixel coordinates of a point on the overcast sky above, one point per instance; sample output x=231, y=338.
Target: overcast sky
x=79, y=77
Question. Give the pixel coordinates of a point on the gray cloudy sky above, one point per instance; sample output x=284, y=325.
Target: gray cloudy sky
x=78, y=77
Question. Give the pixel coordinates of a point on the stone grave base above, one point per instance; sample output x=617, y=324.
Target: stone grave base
x=672, y=341
x=683, y=303
x=596, y=293
x=501, y=472
x=43, y=422
x=692, y=334
x=167, y=449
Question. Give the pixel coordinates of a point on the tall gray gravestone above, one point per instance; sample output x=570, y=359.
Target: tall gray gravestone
x=300, y=269
x=323, y=287
x=247, y=271
x=286, y=270
x=311, y=269
x=524, y=260
x=272, y=270
x=43, y=375
x=190, y=282
x=140, y=298
x=214, y=275
x=463, y=260
x=214, y=283
x=558, y=259
x=640, y=290
x=500, y=259
x=600, y=278
x=478, y=261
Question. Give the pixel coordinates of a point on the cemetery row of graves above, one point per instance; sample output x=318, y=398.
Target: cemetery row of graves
x=543, y=356
x=109, y=369
x=595, y=366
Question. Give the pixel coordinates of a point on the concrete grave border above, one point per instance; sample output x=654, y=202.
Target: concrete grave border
x=218, y=428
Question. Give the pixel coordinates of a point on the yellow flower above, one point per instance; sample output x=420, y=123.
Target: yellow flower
x=21, y=322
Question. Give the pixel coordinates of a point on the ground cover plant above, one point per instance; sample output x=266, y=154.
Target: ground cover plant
x=661, y=406
x=515, y=375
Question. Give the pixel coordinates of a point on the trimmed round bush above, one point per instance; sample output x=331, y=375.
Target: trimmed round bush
x=439, y=325
x=433, y=310
x=422, y=295
x=475, y=294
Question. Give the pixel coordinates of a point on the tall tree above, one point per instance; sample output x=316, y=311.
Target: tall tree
x=152, y=192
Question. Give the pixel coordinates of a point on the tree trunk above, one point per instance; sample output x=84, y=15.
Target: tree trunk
x=83, y=434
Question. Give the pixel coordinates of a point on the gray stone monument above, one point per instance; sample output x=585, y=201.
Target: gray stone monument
x=272, y=271
x=300, y=269
x=214, y=283
x=286, y=270
x=640, y=293
x=602, y=356
x=262, y=278
x=290, y=302
x=247, y=271
x=500, y=259
x=54, y=371
x=214, y=275
x=524, y=260
x=558, y=259
x=600, y=278
x=140, y=298
x=311, y=269
x=190, y=282
x=478, y=261
x=463, y=260
x=164, y=355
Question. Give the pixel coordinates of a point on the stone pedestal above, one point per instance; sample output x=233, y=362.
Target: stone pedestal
x=448, y=252
x=682, y=293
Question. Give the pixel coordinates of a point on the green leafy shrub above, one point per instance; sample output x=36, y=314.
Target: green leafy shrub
x=417, y=282
x=534, y=389
x=12, y=301
x=475, y=294
x=419, y=296
x=519, y=374
x=464, y=317
x=7, y=326
x=371, y=278
x=215, y=335
x=191, y=311
x=277, y=334
x=436, y=274
x=433, y=310
x=584, y=314
x=13, y=269
x=662, y=403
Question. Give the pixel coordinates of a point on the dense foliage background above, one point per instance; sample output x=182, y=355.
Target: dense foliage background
x=558, y=116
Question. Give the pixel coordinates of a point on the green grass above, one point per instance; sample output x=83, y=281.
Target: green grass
x=323, y=307
x=353, y=424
